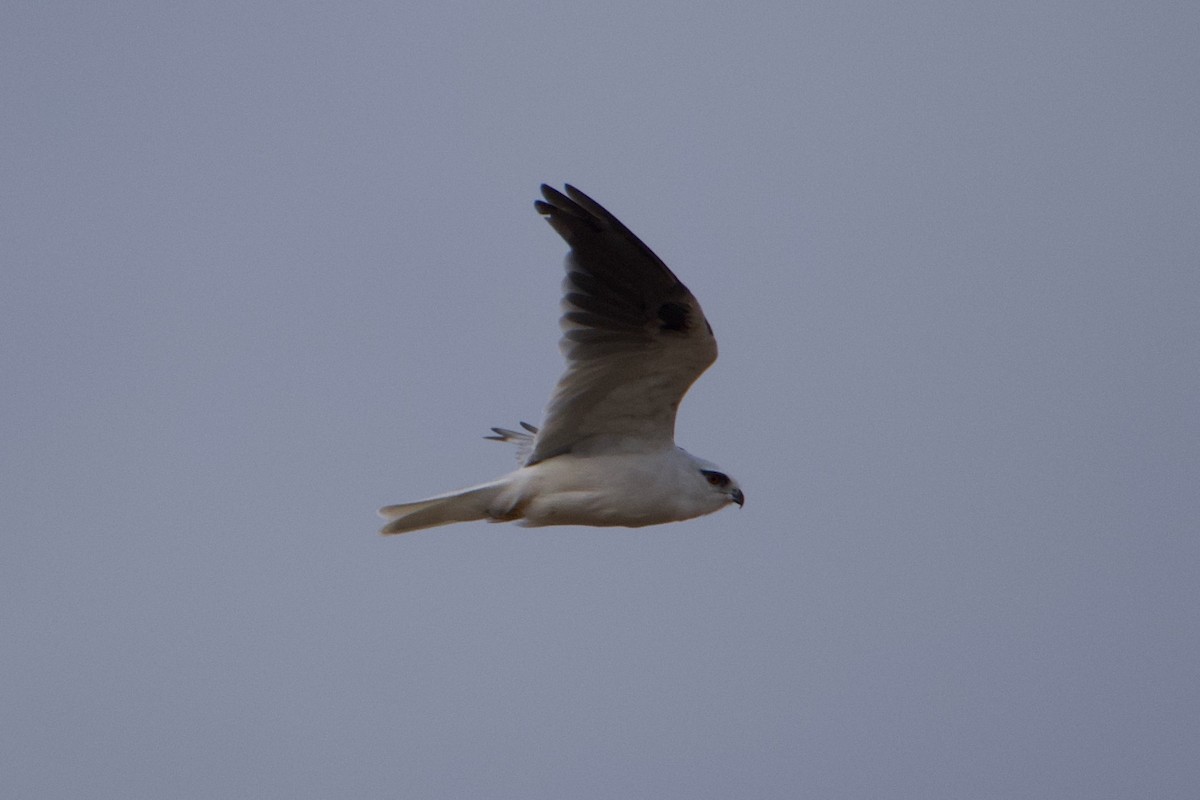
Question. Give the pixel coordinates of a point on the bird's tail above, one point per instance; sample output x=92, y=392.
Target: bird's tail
x=464, y=505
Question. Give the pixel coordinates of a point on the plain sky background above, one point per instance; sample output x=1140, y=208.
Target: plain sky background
x=269, y=266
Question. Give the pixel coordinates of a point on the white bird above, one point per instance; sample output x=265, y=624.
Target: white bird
x=635, y=340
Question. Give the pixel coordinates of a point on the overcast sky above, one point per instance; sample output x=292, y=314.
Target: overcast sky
x=269, y=266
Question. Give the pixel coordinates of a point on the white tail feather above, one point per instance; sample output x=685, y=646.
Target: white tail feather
x=464, y=505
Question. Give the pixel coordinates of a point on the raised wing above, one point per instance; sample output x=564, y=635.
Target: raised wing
x=634, y=337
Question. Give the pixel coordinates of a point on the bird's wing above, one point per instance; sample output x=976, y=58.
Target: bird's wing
x=634, y=337
x=522, y=439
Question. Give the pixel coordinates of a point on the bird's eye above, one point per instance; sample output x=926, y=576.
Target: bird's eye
x=715, y=478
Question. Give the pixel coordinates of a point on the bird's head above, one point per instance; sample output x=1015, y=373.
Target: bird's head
x=724, y=485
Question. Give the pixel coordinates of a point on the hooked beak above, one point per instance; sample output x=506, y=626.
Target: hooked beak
x=738, y=497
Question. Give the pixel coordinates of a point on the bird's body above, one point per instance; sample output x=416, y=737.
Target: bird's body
x=635, y=339
x=627, y=489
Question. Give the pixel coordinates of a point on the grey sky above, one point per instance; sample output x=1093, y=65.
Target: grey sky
x=268, y=266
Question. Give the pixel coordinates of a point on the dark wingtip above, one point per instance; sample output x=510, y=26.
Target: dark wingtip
x=555, y=201
x=578, y=196
x=553, y=196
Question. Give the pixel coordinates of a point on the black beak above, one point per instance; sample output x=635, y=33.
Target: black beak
x=738, y=497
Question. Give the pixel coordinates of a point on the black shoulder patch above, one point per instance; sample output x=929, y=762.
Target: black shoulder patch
x=674, y=316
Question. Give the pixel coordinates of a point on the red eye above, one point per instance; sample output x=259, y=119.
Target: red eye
x=716, y=478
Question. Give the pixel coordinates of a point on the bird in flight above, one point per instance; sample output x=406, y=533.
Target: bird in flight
x=635, y=340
